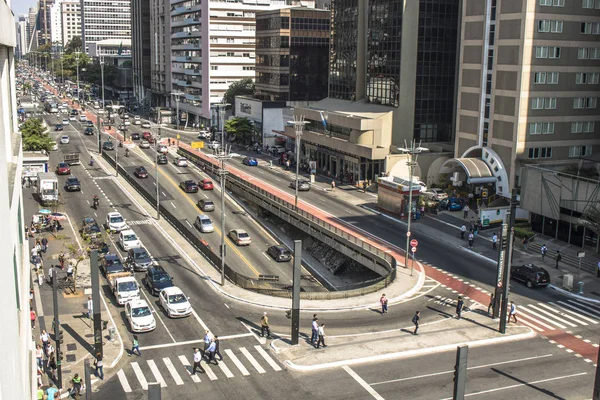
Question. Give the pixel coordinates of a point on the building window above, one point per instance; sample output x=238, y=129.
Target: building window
x=214, y=67
x=537, y=103
x=541, y=52
x=556, y=26
x=592, y=28
x=230, y=40
x=550, y=103
x=555, y=3
x=554, y=52
x=590, y=4
x=541, y=128
x=552, y=78
x=543, y=25
x=540, y=152
x=582, y=127
x=539, y=78
x=580, y=151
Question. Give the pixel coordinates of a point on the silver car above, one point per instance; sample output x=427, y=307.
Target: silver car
x=204, y=224
x=303, y=186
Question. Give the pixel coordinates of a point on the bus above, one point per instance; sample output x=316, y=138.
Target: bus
x=51, y=107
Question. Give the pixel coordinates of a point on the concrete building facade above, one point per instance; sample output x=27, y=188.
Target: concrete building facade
x=22, y=36
x=160, y=53
x=141, y=47
x=44, y=21
x=101, y=20
x=70, y=21
x=17, y=377
x=528, y=86
x=56, y=22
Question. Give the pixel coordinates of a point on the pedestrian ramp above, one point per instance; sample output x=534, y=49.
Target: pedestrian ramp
x=176, y=370
x=559, y=315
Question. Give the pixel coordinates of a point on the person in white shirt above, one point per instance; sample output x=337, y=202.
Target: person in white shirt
x=463, y=230
x=321, y=340
x=315, y=330
x=90, y=307
x=197, y=359
x=494, y=241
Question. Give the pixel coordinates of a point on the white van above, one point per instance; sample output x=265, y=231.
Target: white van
x=129, y=240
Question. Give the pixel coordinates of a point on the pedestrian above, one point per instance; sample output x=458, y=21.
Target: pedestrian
x=471, y=239
x=197, y=360
x=384, y=304
x=38, y=248
x=465, y=211
x=34, y=252
x=463, y=230
x=39, y=356
x=30, y=297
x=491, y=304
x=70, y=272
x=558, y=258
x=40, y=275
x=44, y=337
x=333, y=186
x=598, y=270
x=211, y=352
x=90, y=307
x=513, y=312
x=207, y=340
x=321, y=333
x=422, y=211
x=61, y=260
x=495, y=241
x=218, y=348
x=472, y=224
x=315, y=329
x=44, y=244
x=49, y=350
x=459, y=307
x=51, y=393
x=99, y=366
x=135, y=346
x=50, y=274
x=415, y=321
x=32, y=317
x=475, y=229
x=525, y=243
x=264, y=326
x=51, y=366
x=544, y=250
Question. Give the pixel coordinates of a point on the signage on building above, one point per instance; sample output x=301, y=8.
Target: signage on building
x=313, y=167
x=198, y=145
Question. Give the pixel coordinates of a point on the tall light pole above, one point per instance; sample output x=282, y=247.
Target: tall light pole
x=298, y=127
x=77, y=61
x=62, y=71
x=177, y=94
x=156, y=173
x=413, y=151
x=102, y=77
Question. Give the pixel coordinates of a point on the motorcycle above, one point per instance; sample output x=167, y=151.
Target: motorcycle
x=126, y=152
x=96, y=203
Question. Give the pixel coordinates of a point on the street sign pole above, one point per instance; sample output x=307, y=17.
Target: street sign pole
x=507, y=262
x=97, y=316
x=460, y=372
x=296, y=291
x=596, y=393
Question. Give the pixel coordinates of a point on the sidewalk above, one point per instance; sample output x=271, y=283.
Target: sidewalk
x=77, y=328
x=474, y=329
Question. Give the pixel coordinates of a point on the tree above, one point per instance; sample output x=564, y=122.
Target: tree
x=242, y=128
x=591, y=219
x=242, y=87
x=75, y=44
x=35, y=136
x=74, y=256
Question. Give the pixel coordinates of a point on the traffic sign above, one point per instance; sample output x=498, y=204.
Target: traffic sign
x=414, y=243
x=198, y=145
x=414, y=249
x=408, y=233
x=499, y=284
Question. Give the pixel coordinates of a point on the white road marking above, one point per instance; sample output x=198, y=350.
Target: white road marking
x=189, y=342
x=163, y=193
x=564, y=310
x=267, y=358
x=252, y=360
x=140, y=375
x=210, y=373
x=552, y=316
x=537, y=321
x=266, y=256
x=188, y=222
x=156, y=373
x=542, y=317
x=124, y=382
x=173, y=204
x=362, y=383
x=173, y=371
x=237, y=362
x=202, y=324
x=188, y=367
x=225, y=370
x=587, y=306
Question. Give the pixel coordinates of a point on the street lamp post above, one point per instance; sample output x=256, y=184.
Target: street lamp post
x=413, y=151
x=156, y=173
x=102, y=77
x=222, y=156
x=298, y=123
x=77, y=61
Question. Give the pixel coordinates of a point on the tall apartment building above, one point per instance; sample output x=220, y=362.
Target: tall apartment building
x=32, y=37
x=141, y=49
x=17, y=378
x=212, y=46
x=160, y=51
x=101, y=20
x=70, y=20
x=22, y=35
x=528, y=87
x=392, y=78
x=56, y=22
x=292, y=54
x=44, y=22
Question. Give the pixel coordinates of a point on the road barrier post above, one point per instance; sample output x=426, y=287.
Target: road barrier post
x=460, y=372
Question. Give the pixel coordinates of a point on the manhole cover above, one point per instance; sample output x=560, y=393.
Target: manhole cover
x=71, y=357
x=71, y=347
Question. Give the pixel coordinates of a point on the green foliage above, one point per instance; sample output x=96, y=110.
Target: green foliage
x=524, y=233
x=242, y=128
x=591, y=219
x=35, y=137
x=242, y=87
x=74, y=45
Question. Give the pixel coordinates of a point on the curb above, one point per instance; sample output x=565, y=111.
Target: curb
x=574, y=295
x=409, y=353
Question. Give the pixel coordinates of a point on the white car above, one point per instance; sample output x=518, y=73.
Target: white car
x=115, y=222
x=139, y=316
x=126, y=122
x=181, y=162
x=72, y=118
x=65, y=121
x=213, y=145
x=162, y=149
x=146, y=125
x=240, y=237
x=204, y=135
x=435, y=194
x=204, y=224
x=129, y=240
x=137, y=122
x=144, y=144
x=82, y=118
x=64, y=139
x=174, y=302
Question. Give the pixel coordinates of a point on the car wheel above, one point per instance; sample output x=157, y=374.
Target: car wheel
x=529, y=284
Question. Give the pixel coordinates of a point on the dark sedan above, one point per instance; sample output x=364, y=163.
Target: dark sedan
x=135, y=136
x=111, y=264
x=90, y=124
x=141, y=172
x=58, y=127
x=250, y=161
x=157, y=279
x=72, y=185
x=108, y=145
x=280, y=253
x=88, y=131
x=530, y=274
x=189, y=186
x=162, y=159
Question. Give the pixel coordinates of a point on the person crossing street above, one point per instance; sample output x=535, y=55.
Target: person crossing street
x=415, y=321
x=264, y=326
x=459, y=307
x=315, y=329
x=321, y=340
x=197, y=360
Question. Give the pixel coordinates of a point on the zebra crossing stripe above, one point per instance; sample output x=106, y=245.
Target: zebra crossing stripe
x=267, y=358
x=211, y=375
x=156, y=373
x=590, y=320
x=188, y=367
x=124, y=382
x=140, y=375
x=562, y=314
x=580, y=311
x=237, y=362
x=537, y=321
x=524, y=321
x=587, y=306
x=173, y=371
x=537, y=314
x=252, y=360
x=225, y=370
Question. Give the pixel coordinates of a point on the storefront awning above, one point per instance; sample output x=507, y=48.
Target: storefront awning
x=477, y=171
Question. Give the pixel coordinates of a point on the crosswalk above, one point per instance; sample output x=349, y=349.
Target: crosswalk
x=177, y=370
x=559, y=315
x=444, y=301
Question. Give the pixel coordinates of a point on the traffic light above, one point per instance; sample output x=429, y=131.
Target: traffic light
x=59, y=355
x=58, y=338
x=288, y=314
x=104, y=325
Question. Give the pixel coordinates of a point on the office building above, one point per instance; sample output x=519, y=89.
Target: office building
x=392, y=78
x=116, y=52
x=17, y=376
x=160, y=55
x=44, y=22
x=100, y=22
x=32, y=37
x=140, y=38
x=56, y=22
x=22, y=35
x=212, y=46
x=292, y=54
x=528, y=87
x=70, y=20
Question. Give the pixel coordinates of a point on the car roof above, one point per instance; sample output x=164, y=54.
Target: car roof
x=239, y=230
x=189, y=181
x=128, y=232
x=279, y=247
x=207, y=201
x=202, y=216
x=157, y=269
x=110, y=256
x=138, y=250
x=114, y=214
x=137, y=303
x=172, y=290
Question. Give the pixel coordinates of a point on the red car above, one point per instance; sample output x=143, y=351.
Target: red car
x=148, y=137
x=63, y=169
x=206, y=184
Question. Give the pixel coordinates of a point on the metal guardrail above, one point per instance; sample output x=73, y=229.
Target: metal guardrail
x=268, y=287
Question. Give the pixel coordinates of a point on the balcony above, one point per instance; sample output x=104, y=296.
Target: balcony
x=193, y=97
x=180, y=35
x=181, y=82
x=186, y=46
x=186, y=22
x=185, y=10
x=186, y=59
x=192, y=71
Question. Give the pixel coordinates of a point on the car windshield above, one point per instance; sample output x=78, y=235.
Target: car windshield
x=140, y=312
x=116, y=220
x=206, y=222
x=141, y=255
x=126, y=286
x=177, y=298
x=142, y=169
x=161, y=278
x=93, y=228
x=129, y=238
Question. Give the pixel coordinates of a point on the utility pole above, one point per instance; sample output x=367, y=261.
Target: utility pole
x=596, y=393
x=156, y=173
x=298, y=123
x=296, y=291
x=97, y=312
x=460, y=372
x=58, y=337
